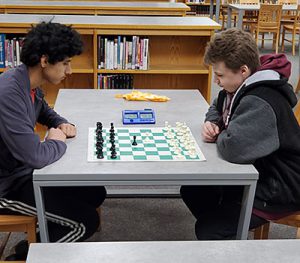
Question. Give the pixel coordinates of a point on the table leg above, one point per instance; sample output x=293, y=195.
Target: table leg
x=218, y=10
x=41, y=212
x=229, y=11
x=240, y=19
x=246, y=211
x=211, y=9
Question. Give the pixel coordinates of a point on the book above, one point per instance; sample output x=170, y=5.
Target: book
x=2, y=50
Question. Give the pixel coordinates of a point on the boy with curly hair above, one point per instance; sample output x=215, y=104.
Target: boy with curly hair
x=46, y=54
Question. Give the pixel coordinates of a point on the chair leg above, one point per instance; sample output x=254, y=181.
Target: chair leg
x=31, y=233
x=262, y=232
x=282, y=42
x=277, y=42
x=298, y=233
x=298, y=85
x=293, y=44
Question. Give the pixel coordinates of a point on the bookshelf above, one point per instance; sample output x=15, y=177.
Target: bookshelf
x=176, y=49
x=93, y=8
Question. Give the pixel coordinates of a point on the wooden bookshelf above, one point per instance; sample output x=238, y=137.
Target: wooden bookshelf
x=176, y=47
x=93, y=8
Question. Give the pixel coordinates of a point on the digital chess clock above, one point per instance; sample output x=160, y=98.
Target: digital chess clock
x=145, y=116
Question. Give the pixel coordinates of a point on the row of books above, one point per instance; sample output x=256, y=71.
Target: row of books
x=123, y=52
x=117, y=81
x=10, y=50
x=196, y=1
x=200, y=10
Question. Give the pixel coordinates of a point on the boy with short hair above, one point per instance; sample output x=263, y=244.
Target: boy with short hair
x=252, y=122
x=46, y=54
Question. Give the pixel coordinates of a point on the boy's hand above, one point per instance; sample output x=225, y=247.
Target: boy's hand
x=56, y=134
x=210, y=132
x=68, y=129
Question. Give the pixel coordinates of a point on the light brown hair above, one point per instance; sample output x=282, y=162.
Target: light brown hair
x=235, y=48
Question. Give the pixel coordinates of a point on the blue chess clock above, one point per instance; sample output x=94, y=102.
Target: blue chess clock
x=145, y=116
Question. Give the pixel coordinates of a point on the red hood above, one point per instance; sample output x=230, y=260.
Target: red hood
x=276, y=62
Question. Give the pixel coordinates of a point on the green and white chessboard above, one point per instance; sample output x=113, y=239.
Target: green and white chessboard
x=153, y=144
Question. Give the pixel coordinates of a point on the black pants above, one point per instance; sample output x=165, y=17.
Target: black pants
x=217, y=210
x=70, y=211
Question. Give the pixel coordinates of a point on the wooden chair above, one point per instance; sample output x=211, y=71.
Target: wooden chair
x=268, y=22
x=262, y=232
x=287, y=16
x=298, y=87
x=17, y=223
x=294, y=29
x=249, y=17
x=224, y=13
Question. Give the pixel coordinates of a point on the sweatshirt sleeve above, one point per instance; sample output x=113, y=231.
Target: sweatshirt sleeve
x=251, y=133
x=49, y=117
x=17, y=131
x=213, y=115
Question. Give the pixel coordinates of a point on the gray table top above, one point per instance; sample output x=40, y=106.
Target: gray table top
x=246, y=7
x=85, y=107
x=94, y=4
x=107, y=21
x=246, y=251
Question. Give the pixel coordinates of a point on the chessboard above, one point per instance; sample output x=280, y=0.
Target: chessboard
x=143, y=144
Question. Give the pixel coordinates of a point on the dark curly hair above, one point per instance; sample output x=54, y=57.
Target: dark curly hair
x=54, y=40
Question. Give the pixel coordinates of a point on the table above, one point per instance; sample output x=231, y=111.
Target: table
x=94, y=8
x=85, y=107
x=241, y=8
x=246, y=251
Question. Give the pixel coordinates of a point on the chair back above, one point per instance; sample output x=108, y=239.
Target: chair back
x=269, y=17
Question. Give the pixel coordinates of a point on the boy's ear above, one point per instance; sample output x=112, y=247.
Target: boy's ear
x=245, y=70
x=44, y=61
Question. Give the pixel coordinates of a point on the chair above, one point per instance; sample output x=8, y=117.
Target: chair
x=287, y=16
x=291, y=220
x=17, y=223
x=268, y=22
x=294, y=29
x=249, y=17
x=298, y=86
x=224, y=13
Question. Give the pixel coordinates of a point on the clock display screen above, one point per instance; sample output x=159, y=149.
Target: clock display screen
x=146, y=116
x=131, y=116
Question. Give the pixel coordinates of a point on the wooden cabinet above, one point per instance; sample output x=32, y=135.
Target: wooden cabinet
x=176, y=49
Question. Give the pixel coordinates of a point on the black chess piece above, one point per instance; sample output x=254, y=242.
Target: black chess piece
x=134, y=143
x=113, y=152
x=112, y=128
x=99, y=144
x=100, y=155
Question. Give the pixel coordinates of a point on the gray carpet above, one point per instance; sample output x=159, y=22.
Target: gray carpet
x=134, y=219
